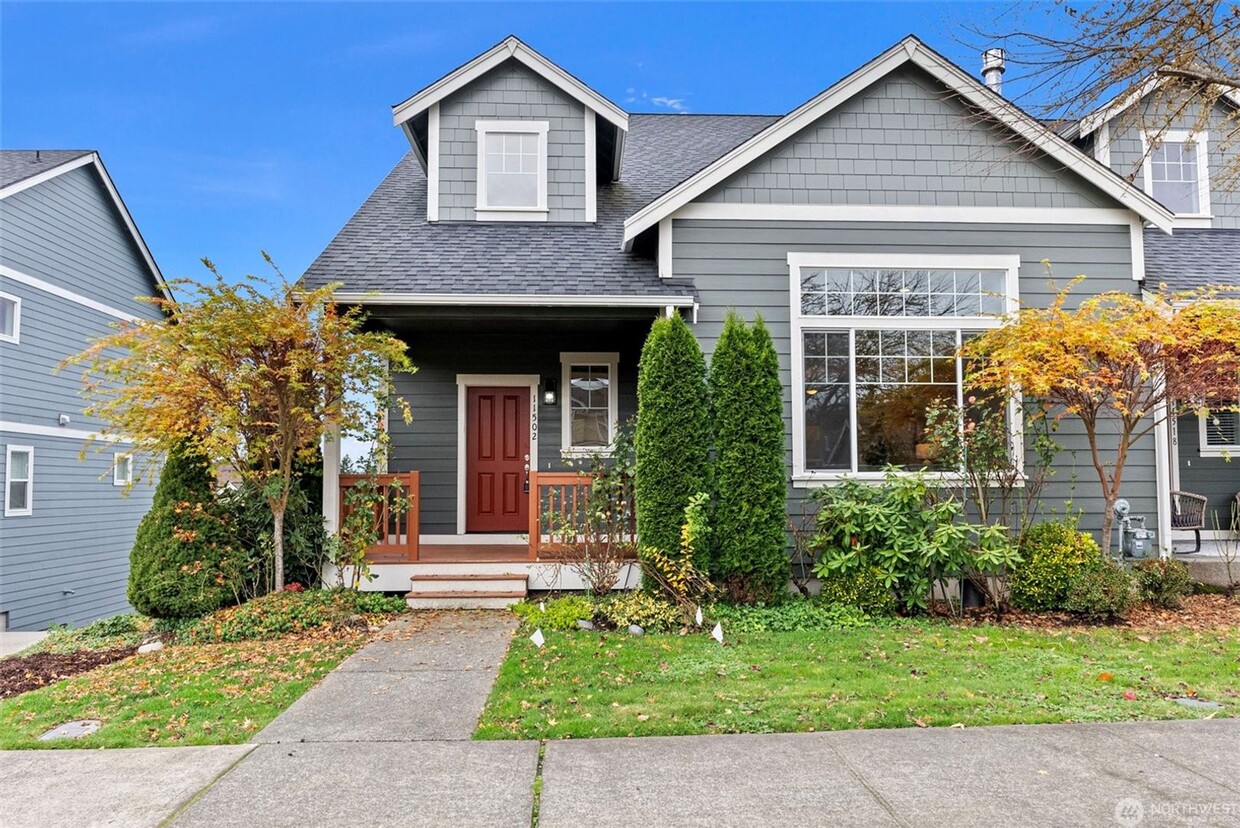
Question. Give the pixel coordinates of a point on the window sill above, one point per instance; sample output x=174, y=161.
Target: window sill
x=1193, y=221
x=810, y=480
x=1226, y=452
x=510, y=214
x=584, y=453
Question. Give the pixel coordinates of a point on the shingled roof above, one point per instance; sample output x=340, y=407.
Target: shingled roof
x=18, y=165
x=1192, y=258
x=389, y=246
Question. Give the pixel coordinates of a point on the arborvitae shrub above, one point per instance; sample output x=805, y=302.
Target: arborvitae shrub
x=751, y=502
x=183, y=563
x=672, y=439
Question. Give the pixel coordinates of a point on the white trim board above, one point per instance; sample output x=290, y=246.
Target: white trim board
x=57, y=291
x=432, y=162
x=13, y=427
x=514, y=299
x=117, y=202
x=465, y=381
x=591, y=165
x=909, y=50
x=901, y=213
x=16, y=336
x=509, y=47
x=1200, y=141
x=29, y=481
x=488, y=212
x=1103, y=115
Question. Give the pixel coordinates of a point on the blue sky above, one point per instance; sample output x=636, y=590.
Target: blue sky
x=231, y=128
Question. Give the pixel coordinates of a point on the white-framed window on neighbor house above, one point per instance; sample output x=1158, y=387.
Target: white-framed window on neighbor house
x=874, y=345
x=512, y=170
x=18, y=481
x=1177, y=171
x=588, y=401
x=122, y=469
x=10, y=317
x=1219, y=433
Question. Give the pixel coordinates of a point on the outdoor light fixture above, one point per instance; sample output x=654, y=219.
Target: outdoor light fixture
x=549, y=395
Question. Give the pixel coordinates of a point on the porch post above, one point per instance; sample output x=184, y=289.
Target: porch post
x=331, y=481
x=1162, y=475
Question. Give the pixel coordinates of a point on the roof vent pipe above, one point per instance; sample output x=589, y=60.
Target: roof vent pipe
x=993, y=67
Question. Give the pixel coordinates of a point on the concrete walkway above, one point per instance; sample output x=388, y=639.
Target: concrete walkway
x=14, y=642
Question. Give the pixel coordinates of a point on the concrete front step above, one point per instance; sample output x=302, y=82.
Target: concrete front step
x=463, y=599
x=470, y=582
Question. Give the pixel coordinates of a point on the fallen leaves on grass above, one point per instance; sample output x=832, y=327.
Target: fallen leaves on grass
x=1199, y=613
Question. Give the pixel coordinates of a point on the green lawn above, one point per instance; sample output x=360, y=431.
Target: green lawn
x=203, y=694
x=900, y=674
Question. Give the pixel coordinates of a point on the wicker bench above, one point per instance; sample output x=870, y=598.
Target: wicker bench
x=1188, y=511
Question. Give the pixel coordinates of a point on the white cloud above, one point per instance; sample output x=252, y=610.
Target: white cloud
x=674, y=104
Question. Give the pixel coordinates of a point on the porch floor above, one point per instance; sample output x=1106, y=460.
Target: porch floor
x=458, y=553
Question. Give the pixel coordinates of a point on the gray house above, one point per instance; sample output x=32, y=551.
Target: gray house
x=524, y=244
x=71, y=263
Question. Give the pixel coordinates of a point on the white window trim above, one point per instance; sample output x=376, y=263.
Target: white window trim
x=1010, y=264
x=484, y=211
x=16, y=336
x=1200, y=140
x=8, y=465
x=567, y=360
x=117, y=457
x=463, y=383
x=1212, y=451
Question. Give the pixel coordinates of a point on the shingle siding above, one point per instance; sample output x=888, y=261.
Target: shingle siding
x=511, y=92
x=906, y=140
x=743, y=265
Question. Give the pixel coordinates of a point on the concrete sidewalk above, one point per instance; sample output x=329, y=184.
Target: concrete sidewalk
x=14, y=642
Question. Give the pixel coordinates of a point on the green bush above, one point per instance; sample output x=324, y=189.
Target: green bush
x=1052, y=555
x=862, y=588
x=289, y=613
x=1104, y=591
x=560, y=614
x=1163, y=583
x=184, y=561
x=651, y=613
x=751, y=493
x=672, y=439
x=126, y=630
x=792, y=615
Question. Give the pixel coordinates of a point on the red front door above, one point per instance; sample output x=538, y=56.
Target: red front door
x=497, y=451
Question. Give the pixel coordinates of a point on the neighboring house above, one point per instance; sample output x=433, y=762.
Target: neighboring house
x=1177, y=161
x=524, y=244
x=71, y=263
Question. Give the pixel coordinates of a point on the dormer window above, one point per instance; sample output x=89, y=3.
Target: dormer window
x=512, y=170
x=1177, y=173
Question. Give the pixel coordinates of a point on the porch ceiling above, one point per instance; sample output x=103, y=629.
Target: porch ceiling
x=498, y=319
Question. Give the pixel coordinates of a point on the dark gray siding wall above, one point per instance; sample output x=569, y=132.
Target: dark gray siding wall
x=743, y=265
x=1127, y=155
x=429, y=444
x=511, y=92
x=66, y=231
x=68, y=562
x=1218, y=478
x=905, y=140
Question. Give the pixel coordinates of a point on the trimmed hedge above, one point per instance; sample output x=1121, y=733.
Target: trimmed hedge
x=672, y=439
x=751, y=502
x=184, y=563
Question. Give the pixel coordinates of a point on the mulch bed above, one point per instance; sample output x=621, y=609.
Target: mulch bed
x=1200, y=612
x=25, y=673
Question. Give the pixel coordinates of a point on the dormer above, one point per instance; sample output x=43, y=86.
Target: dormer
x=510, y=136
x=1160, y=138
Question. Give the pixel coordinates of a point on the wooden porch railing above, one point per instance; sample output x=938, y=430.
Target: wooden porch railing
x=559, y=508
x=398, y=529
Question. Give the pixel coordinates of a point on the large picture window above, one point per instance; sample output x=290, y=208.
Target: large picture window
x=874, y=346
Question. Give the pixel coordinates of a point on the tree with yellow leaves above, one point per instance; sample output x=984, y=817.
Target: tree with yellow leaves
x=252, y=375
x=1120, y=359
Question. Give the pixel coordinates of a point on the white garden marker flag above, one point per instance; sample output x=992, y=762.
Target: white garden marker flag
x=717, y=633
x=538, y=639
x=697, y=618
x=542, y=606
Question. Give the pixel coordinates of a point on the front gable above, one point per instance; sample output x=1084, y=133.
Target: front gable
x=907, y=140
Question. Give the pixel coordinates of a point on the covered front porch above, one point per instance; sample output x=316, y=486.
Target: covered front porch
x=509, y=406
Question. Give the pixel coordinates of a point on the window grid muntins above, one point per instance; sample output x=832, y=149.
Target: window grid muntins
x=590, y=405
x=512, y=160
x=902, y=293
x=1174, y=176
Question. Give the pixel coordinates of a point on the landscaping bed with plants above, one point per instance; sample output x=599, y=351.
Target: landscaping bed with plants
x=216, y=680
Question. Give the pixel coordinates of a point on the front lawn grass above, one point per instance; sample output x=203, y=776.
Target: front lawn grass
x=896, y=674
x=204, y=694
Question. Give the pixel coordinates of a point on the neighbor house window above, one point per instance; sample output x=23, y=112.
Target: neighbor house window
x=874, y=346
x=10, y=317
x=589, y=402
x=1220, y=433
x=122, y=469
x=512, y=169
x=1177, y=173
x=18, y=480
